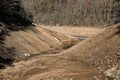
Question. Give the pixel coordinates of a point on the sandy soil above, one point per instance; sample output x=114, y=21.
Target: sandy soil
x=76, y=30
x=95, y=58
x=38, y=40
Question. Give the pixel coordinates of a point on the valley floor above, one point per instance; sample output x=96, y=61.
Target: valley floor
x=52, y=66
x=76, y=31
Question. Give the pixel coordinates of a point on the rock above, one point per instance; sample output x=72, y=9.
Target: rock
x=113, y=72
x=27, y=55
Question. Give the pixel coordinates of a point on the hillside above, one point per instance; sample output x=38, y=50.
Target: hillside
x=20, y=38
x=96, y=58
x=34, y=41
x=38, y=40
x=13, y=17
x=31, y=48
x=101, y=51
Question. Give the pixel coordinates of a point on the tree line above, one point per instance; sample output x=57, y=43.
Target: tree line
x=74, y=12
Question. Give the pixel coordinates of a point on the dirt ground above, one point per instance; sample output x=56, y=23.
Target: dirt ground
x=38, y=40
x=76, y=30
x=95, y=58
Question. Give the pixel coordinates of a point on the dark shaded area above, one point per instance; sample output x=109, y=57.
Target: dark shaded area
x=6, y=56
x=80, y=37
x=13, y=14
x=4, y=62
x=13, y=17
x=117, y=0
x=116, y=12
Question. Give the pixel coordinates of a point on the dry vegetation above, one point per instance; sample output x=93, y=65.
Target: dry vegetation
x=74, y=12
x=12, y=12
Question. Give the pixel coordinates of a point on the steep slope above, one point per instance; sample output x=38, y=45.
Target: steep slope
x=13, y=17
x=6, y=53
x=38, y=40
x=101, y=51
x=107, y=43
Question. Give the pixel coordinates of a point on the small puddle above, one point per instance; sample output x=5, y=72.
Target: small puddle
x=80, y=37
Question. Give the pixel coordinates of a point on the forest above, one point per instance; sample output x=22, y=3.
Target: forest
x=74, y=12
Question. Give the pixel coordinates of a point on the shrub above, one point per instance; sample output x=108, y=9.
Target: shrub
x=12, y=12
